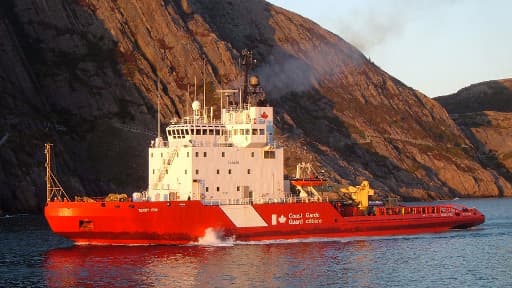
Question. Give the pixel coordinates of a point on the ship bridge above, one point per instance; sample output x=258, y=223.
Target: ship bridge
x=245, y=127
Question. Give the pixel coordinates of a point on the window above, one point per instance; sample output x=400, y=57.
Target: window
x=204, y=154
x=262, y=131
x=247, y=131
x=237, y=188
x=151, y=154
x=223, y=154
x=206, y=189
x=229, y=171
x=269, y=154
x=248, y=171
x=188, y=154
x=218, y=171
x=254, y=131
x=153, y=171
x=185, y=171
x=252, y=154
x=218, y=188
x=197, y=171
x=166, y=171
x=161, y=155
x=197, y=154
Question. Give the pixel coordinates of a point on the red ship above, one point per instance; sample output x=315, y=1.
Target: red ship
x=227, y=176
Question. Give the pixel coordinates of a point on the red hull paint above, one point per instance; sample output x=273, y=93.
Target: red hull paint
x=183, y=222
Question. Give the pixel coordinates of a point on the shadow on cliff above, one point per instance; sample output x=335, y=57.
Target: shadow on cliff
x=78, y=99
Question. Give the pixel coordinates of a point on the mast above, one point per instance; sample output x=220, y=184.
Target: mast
x=246, y=64
x=53, y=187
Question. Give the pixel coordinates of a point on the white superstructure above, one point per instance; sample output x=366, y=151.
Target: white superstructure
x=234, y=159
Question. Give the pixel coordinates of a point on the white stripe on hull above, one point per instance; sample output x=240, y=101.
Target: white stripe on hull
x=243, y=215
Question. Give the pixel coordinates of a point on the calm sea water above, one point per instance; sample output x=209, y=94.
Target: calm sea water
x=31, y=256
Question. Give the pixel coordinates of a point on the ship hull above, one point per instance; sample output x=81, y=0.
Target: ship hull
x=184, y=222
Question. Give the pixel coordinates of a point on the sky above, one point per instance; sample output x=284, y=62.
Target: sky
x=435, y=46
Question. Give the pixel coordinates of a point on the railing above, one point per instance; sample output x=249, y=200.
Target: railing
x=445, y=210
x=249, y=201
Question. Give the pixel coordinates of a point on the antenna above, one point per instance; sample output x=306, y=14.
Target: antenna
x=158, y=94
x=204, y=85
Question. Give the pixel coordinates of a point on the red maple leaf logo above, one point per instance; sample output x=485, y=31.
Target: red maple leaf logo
x=264, y=115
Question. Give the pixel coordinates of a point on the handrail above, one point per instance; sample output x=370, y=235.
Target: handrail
x=249, y=201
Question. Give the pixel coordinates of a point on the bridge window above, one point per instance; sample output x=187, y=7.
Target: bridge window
x=248, y=171
x=252, y=154
x=197, y=171
x=197, y=154
x=229, y=171
x=223, y=154
x=247, y=131
x=204, y=154
x=269, y=154
x=218, y=188
x=206, y=189
x=218, y=171
x=254, y=131
x=262, y=131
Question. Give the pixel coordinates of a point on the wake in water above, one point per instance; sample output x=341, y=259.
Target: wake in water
x=214, y=238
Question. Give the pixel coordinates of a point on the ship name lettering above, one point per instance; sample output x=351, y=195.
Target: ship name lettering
x=313, y=215
x=234, y=162
x=143, y=210
x=295, y=216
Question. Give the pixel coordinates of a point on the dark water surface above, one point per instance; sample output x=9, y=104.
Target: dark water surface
x=31, y=256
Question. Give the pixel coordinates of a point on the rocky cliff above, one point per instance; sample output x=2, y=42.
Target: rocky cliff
x=86, y=75
x=483, y=111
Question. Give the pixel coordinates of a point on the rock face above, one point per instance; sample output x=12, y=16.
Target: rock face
x=483, y=111
x=86, y=75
